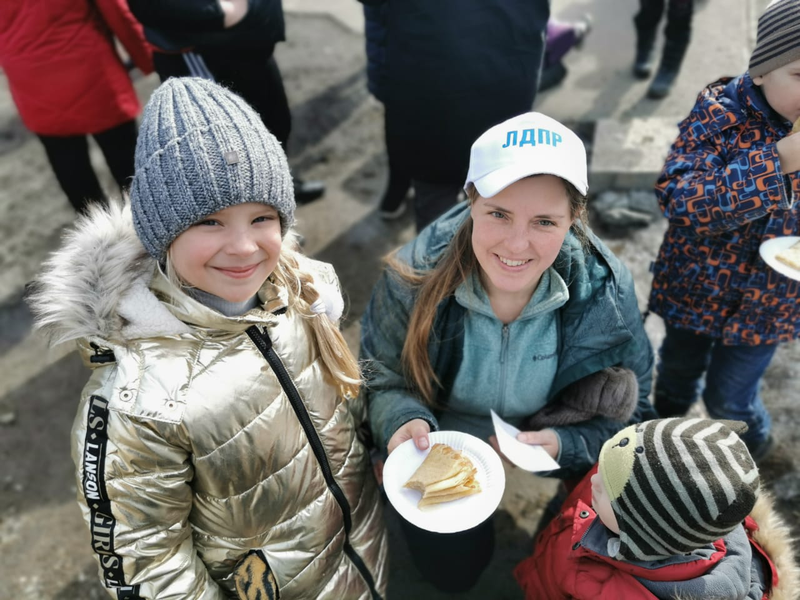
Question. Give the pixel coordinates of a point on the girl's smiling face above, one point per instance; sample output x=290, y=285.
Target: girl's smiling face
x=602, y=504
x=231, y=252
x=517, y=234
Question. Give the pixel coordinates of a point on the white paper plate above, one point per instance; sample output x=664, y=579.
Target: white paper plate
x=770, y=248
x=448, y=517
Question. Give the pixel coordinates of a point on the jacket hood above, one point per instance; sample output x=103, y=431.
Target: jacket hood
x=774, y=536
x=103, y=286
x=96, y=285
x=739, y=96
x=712, y=569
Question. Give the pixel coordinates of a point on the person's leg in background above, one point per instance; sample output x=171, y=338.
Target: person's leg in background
x=646, y=26
x=119, y=146
x=452, y=562
x=258, y=80
x=683, y=359
x=69, y=158
x=562, y=37
x=255, y=78
x=432, y=200
x=677, y=35
x=393, y=203
x=732, y=391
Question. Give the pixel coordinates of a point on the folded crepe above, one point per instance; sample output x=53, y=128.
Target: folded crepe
x=444, y=475
x=467, y=489
x=790, y=256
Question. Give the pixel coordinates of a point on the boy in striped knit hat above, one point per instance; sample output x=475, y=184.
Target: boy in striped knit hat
x=672, y=510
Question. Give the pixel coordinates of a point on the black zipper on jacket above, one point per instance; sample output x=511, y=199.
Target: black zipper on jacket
x=264, y=344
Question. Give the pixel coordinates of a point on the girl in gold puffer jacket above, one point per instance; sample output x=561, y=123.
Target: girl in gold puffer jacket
x=215, y=442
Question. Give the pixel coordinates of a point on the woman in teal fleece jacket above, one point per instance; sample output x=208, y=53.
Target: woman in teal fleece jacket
x=501, y=304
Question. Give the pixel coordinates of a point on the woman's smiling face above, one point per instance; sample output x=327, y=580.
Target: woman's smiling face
x=517, y=235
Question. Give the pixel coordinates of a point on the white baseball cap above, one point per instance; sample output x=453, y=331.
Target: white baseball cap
x=529, y=144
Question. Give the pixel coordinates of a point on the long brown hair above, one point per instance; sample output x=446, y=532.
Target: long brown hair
x=453, y=268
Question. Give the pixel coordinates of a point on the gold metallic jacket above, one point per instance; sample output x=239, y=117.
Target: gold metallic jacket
x=189, y=452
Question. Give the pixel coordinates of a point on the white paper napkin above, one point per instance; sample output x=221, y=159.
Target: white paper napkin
x=526, y=456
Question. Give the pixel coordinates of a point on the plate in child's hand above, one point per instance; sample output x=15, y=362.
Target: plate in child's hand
x=447, y=517
x=770, y=248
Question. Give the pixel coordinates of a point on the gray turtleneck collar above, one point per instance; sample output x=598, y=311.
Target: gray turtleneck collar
x=229, y=309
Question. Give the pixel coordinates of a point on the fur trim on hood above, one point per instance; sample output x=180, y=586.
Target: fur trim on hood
x=774, y=536
x=96, y=286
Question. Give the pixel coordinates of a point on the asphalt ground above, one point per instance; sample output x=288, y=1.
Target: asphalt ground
x=337, y=138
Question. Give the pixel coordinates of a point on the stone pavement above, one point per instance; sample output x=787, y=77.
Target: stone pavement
x=338, y=138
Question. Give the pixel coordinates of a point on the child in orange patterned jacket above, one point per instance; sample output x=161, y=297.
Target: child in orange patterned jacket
x=730, y=183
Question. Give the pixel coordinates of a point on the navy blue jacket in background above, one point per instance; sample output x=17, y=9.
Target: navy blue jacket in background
x=375, y=34
x=454, y=68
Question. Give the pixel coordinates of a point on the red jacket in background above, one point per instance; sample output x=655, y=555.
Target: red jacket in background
x=63, y=70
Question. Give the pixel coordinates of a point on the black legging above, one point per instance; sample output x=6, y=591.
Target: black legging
x=254, y=77
x=69, y=158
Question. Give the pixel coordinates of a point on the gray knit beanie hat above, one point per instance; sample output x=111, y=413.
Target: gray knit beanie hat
x=778, y=41
x=677, y=484
x=201, y=148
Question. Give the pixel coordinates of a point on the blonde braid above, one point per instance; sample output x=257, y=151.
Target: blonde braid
x=339, y=365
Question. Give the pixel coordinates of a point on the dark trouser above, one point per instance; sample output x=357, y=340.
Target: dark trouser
x=256, y=78
x=432, y=200
x=679, y=18
x=69, y=158
x=732, y=380
x=399, y=175
x=452, y=562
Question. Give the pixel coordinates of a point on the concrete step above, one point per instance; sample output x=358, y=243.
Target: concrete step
x=629, y=154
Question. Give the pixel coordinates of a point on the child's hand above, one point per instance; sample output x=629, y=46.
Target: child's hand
x=416, y=429
x=789, y=153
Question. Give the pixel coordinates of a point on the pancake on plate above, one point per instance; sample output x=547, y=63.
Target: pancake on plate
x=443, y=476
x=791, y=255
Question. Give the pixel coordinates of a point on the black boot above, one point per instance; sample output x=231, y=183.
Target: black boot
x=759, y=451
x=552, y=76
x=394, y=202
x=667, y=408
x=668, y=70
x=645, y=42
x=307, y=191
x=395, y=199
